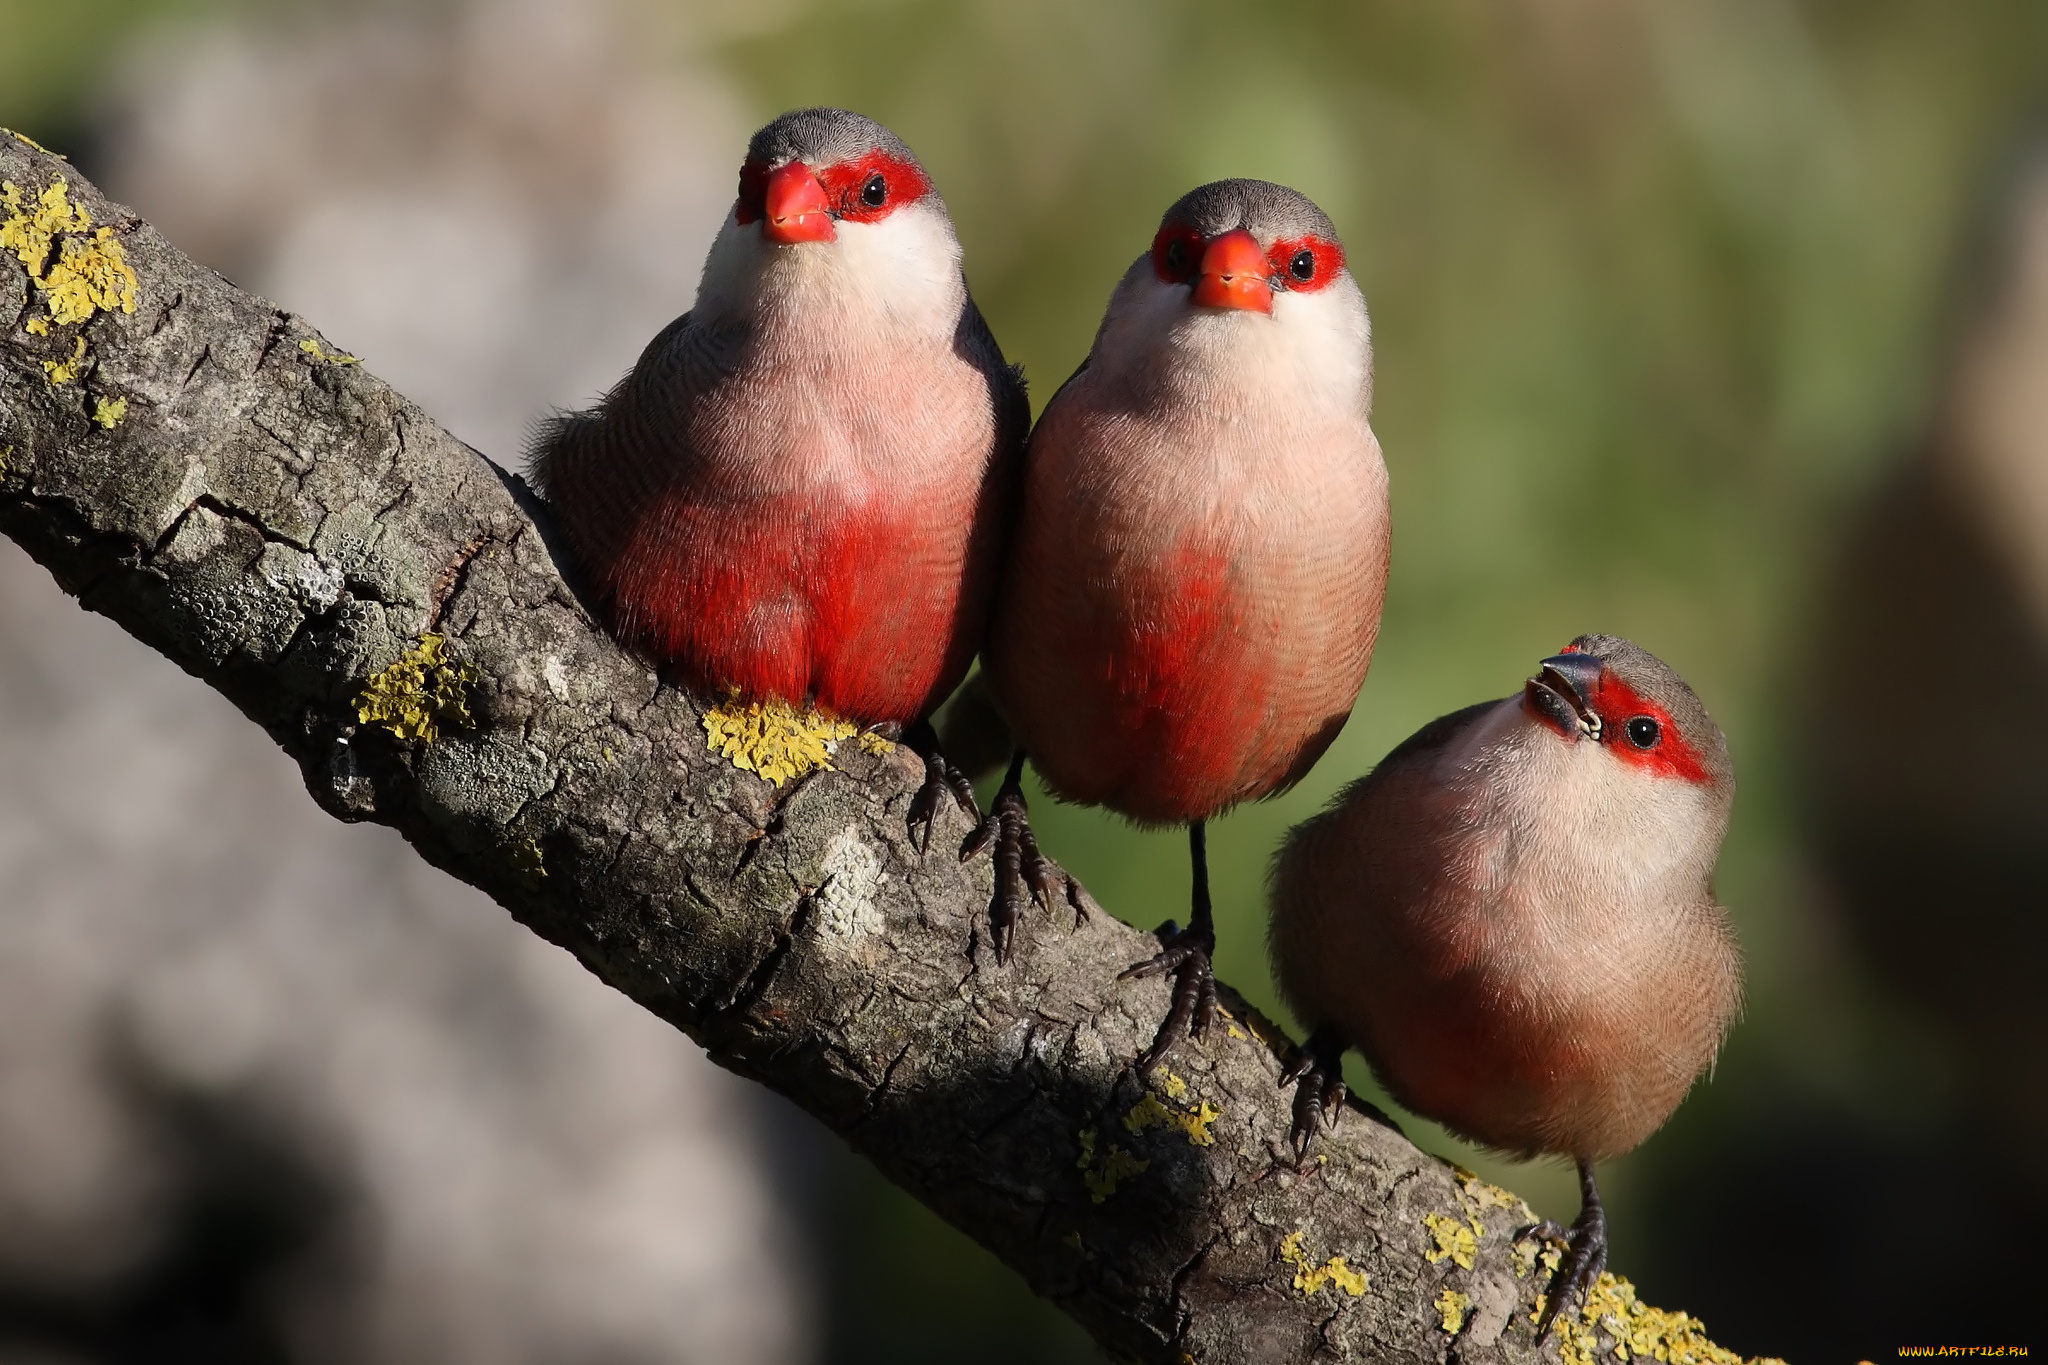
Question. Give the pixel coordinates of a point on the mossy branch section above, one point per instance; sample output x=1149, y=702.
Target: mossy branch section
x=287, y=528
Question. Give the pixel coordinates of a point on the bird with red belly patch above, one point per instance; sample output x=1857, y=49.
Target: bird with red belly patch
x=1194, y=585
x=800, y=491
x=1513, y=918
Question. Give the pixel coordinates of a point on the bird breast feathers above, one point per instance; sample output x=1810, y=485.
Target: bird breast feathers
x=1583, y=848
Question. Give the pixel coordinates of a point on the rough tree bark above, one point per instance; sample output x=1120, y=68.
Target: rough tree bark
x=202, y=468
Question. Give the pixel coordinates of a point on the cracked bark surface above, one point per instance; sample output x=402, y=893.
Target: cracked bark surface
x=283, y=526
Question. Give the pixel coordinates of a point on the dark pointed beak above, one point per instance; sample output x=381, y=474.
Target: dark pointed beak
x=1562, y=693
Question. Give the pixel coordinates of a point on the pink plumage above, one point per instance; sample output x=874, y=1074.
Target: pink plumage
x=800, y=491
x=1194, y=585
x=1198, y=569
x=1513, y=918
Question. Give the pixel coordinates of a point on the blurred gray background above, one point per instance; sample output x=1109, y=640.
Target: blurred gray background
x=1722, y=324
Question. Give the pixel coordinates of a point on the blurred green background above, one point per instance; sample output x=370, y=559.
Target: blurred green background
x=1658, y=293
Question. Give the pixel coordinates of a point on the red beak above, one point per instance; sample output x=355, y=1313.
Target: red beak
x=796, y=206
x=1233, y=274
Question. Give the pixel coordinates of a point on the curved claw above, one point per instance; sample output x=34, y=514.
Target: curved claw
x=1194, y=991
x=1319, y=1096
x=1585, y=1254
x=940, y=779
x=1023, y=874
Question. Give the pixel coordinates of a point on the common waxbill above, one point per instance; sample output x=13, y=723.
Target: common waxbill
x=1194, y=585
x=800, y=491
x=1513, y=918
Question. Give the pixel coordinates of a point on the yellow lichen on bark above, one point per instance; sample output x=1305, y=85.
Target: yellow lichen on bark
x=65, y=370
x=1636, y=1331
x=312, y=348
x=1310, y=1277
x=1450, y=1307
x=1191, y=1120
x=528, y=863
x=1100, y=1176
x=108, y=412
x=29, y=141
x=89, y=275
x=1454, y=1238
x=419, y=693
x=28, y=231
x=1484, y=1195
x=773, y=739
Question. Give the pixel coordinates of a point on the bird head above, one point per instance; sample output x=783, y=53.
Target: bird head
x=1617, y=765
x=830, y=200
x=1237, y=244
x=1603, y=691
x=813, y=169
x=1243, y=299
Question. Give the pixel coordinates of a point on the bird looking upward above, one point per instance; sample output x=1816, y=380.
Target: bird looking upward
x=1513, y=918
x=1194, y=585
x=800, y=491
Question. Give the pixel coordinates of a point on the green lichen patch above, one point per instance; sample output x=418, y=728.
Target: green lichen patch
x=1310, y=1277
x=1101, y=1174
x=419, y=693
x=108, y=412
x=773, y=739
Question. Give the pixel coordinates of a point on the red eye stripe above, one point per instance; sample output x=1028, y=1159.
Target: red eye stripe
x=1328, y=256
x=844, y=182
x=1190, y=254
x=1616, y=703
x=753, y=200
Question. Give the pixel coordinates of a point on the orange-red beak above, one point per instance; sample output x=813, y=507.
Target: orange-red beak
x=1233, y=274
x=795, y=208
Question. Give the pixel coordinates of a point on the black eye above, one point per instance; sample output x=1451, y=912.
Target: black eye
x=874, y=191
x=1303, y=266
x=1644, y=732
x=1176, y=254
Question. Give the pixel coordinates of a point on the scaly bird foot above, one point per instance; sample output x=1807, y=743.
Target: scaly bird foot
x=1585, y=1252
x=940, y=779
x=1023, y=874
x=1194, y=988
x=1317, y=1074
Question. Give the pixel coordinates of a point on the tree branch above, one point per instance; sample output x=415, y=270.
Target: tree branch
x=285, y=526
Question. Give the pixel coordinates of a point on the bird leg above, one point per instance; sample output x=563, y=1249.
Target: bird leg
x=1186, y=955
x=1585, y=1250
x=940, y=778
x=1319, y=1095
x=1019, y=864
